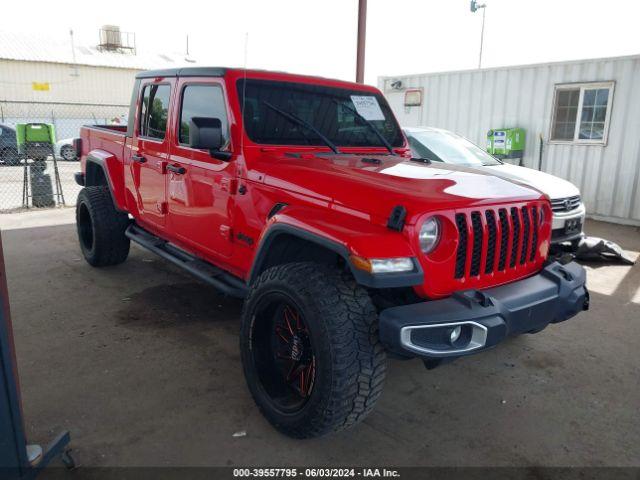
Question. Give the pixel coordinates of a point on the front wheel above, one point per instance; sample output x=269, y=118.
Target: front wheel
x=310, y=349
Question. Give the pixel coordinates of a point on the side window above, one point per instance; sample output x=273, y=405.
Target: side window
x=202, y=101
x=154, y=111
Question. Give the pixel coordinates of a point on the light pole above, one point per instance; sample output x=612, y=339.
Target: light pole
x=474, y=8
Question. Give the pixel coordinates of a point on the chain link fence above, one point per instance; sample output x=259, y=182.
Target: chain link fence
x=41, y=175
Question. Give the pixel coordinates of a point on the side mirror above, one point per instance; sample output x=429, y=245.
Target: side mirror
x=206, y=133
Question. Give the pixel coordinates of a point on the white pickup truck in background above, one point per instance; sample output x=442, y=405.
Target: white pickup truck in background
x=440, y=145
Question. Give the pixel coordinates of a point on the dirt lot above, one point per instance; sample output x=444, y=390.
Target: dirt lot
x=140, y=362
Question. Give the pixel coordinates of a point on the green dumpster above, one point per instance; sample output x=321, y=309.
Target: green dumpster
x=35, y=140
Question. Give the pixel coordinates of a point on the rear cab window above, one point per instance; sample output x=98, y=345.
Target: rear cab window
x=154, y=111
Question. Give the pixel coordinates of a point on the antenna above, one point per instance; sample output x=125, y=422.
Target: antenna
x=187, y=58
x=73, y=55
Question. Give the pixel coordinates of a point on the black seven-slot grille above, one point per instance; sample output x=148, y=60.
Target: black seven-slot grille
x=498, y=242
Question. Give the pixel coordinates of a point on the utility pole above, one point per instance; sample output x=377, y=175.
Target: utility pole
x=474, y=8
x=362, y=36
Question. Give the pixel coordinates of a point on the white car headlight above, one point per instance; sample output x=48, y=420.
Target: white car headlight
x=429, y=234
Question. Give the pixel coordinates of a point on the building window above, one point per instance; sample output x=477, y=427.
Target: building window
x=154, y=111
x=581, y=113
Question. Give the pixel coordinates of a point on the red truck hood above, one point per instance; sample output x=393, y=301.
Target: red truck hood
x=374, y=184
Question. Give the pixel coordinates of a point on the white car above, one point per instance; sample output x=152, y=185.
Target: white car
x=444, y=146
x=64, y=150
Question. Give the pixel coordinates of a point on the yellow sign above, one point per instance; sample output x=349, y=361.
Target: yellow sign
x=40, y=86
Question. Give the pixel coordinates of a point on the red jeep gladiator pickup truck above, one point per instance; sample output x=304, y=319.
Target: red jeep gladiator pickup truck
x=299, y=195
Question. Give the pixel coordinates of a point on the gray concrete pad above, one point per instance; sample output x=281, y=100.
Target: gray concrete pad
x=141, y=363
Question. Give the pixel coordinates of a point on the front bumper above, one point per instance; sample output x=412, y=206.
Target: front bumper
x=485, y=317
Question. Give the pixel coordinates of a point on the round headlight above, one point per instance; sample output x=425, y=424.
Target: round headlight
x=429, y=234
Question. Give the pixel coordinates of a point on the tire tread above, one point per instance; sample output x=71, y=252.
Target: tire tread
x=358, y=357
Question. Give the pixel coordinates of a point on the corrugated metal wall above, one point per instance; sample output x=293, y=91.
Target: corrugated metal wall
x=472, y=102
x=67, y=83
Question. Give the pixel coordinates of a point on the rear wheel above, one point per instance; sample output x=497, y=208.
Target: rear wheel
x=68, y=153
x=310, y=349
x=101, y=227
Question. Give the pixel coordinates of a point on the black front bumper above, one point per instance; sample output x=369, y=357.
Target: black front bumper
x=485, y=317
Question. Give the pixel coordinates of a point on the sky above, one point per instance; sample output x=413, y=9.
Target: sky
x=319, y=37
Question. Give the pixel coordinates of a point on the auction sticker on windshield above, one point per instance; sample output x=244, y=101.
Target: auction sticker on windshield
x=368, y=107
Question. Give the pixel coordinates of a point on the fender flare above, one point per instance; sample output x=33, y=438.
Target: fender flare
x=388, y=280
x=101, y=159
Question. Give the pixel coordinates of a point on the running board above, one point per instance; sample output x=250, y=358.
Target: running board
x=218, y=278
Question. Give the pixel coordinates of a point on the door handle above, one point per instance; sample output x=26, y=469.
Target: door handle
x=177, y=169
x=138, y=158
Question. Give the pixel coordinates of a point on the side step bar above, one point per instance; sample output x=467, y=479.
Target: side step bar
x=223, y=281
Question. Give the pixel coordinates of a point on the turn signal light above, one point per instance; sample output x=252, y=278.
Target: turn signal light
x=383, y=265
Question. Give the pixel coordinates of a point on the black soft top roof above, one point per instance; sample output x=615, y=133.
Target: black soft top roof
x=184, y=72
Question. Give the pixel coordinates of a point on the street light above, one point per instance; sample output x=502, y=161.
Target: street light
x=474, y=8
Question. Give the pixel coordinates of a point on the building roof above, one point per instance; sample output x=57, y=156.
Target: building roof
x=36, y=47
x=513, y=67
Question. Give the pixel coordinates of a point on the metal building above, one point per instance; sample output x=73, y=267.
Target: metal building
x=44, y=78
x=582, y=120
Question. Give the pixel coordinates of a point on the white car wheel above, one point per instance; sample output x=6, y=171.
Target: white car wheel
x=68, y=153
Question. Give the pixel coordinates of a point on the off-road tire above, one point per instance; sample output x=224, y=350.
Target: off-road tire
x=101, y=227
x=343, y=329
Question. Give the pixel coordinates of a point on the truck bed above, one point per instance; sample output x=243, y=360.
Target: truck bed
x=109, y=138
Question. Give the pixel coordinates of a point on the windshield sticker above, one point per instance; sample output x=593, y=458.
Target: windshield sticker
x=368, y=107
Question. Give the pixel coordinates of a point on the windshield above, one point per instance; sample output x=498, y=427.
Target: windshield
x=333, y=112
x=447, y=147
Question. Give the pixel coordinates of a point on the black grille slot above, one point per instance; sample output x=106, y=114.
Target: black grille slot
x=504, y=238
x=515, y=229
x=534, y=233
x=525, y=237
x=461, y=256
x=476, y=224
x=515, y=219
x=491, y=244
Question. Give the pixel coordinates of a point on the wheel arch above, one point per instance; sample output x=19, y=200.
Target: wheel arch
x=286, y=243
x=103, y=168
